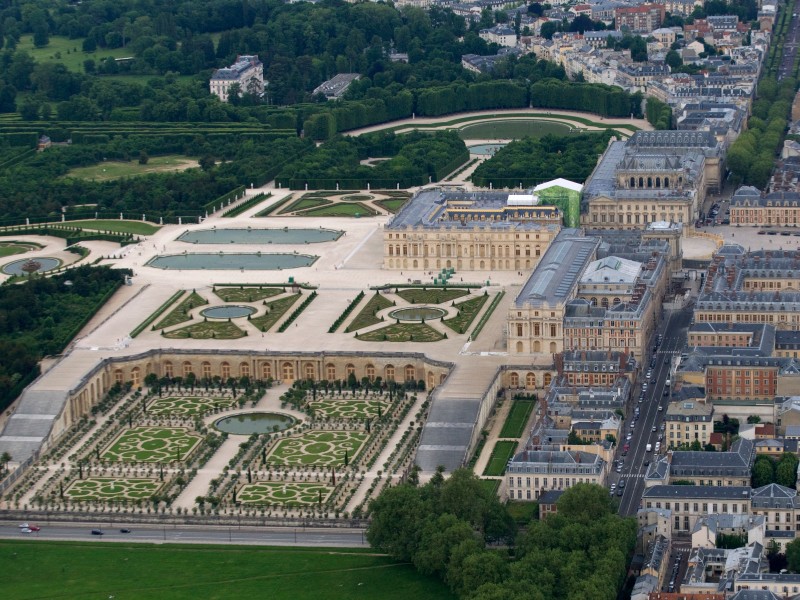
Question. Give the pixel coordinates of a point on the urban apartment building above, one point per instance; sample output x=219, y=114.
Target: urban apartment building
x=688, y=422
x=690, y=503
x=533, y=472
x=731, y=468
x=476, y=231
x=247, y=72
x=762, y=286
x=653, y=176
x=639, y=19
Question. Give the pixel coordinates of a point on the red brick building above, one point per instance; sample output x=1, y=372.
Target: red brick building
x=742, y=378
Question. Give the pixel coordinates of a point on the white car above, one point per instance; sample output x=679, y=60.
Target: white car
x=25, y=530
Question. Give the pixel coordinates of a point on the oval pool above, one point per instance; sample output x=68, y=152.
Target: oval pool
x=417, y=313
x=228, y=312
x=250, y=423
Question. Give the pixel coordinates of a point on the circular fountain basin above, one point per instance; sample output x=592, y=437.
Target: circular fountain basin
x=417, y=313
x=45, y=264
x=250, y=423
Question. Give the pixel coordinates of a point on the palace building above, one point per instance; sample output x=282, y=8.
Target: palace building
x=474, y=231
x=590, y=295
x=653, y=176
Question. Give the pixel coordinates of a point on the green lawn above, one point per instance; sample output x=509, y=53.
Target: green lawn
x=340, y=209
x=430, y=296
x=501, y=454
x=108, y=170
x=125, y=571
x=517, y=417
x=182, y=312
x=134, y=227
x=491, y=485
x=366, y=316
x=68, y=52
x=467, y=311
x=510, y=129
x=12, y=248
x=403, y=332
x=391, y=205
x=275, y=310
x=305, y=203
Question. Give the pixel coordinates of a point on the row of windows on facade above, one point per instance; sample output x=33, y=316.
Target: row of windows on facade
x=397, y=236
x=287, y=371
x=676, y=506
x=635, y=219
x=466, y=251
x=558, y=482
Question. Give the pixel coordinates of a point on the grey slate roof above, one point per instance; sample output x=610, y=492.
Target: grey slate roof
x=688, y=492
x=558, y=271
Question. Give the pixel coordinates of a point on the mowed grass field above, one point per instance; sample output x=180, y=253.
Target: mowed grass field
x=501, y=454
x=60, y=45
x=108, y=170
x=134, y=227
x=36, y=569
x=517, y=418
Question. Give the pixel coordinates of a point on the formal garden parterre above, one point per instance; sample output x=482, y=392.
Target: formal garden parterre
x=153, y=445
x=378, y=318
x=182, y=317
x=144, y=447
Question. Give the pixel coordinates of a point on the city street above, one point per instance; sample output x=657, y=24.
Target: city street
x=269, y=536
x=674, y=330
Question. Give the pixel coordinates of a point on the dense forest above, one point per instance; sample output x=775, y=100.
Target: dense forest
x=300, y=44
x=445, y=528
x=531, y=161
x=40, y=316
x=413, y=159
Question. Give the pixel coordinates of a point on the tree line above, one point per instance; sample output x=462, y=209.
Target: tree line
x=446, y=528
x=40, y=316
x=751, y=157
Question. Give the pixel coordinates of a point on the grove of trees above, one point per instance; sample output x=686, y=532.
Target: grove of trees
x=783, y=471
x=40, y=316
x=445, y=528
x=415, y=159
x=531, y=161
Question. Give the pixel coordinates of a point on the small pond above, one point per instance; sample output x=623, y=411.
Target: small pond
x=228, y=262
x=31, y=265
x=227, y=312
x=485, y=149
x=417, y=313
x=260, y=236
x=250, y=423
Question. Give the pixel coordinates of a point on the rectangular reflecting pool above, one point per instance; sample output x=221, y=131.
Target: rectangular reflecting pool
x=260, y=236
x=232, y=261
